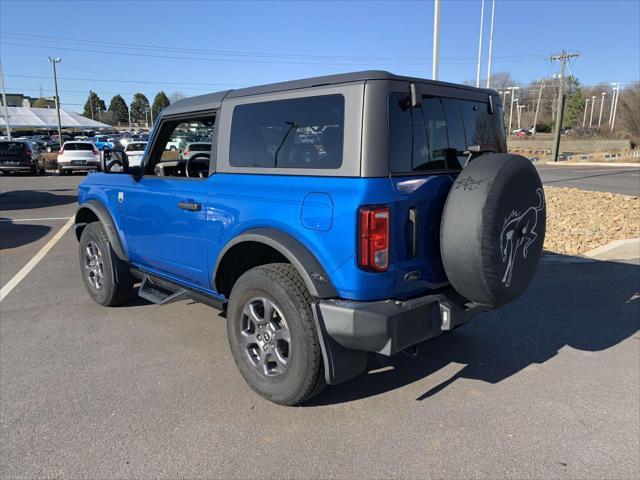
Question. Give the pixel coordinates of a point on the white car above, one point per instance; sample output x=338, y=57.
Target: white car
x=78, y=156
x=135, y=151
x=194, y=148
x=177, y=143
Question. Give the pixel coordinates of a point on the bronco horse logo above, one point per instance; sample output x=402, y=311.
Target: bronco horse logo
x=518, y=232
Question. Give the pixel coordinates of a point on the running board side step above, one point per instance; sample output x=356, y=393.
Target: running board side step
x=160, y=294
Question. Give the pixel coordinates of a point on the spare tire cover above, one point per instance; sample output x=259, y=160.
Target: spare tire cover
x=493, y=228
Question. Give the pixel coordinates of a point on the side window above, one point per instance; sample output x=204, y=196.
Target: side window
x=296, y=133
x=457, y=139
x=479, y=125
x=182, y=148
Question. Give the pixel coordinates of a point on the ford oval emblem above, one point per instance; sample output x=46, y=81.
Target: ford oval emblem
x=412, y=276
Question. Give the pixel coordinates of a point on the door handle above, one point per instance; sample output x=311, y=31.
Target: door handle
x=413, y=221
x=192, y=207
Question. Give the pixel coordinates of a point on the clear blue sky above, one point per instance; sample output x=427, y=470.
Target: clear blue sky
x=201, y=46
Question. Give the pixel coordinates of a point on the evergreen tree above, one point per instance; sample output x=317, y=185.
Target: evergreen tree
x=159, y=102
x=98, y=105
x=40, y=103
x=138, y=107
x=118, y=107
x=574, y=109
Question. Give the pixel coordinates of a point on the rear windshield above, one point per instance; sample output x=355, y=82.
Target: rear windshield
x=295, y=133
x=435, y=136
x=12, y=147
x=200, y=147
x=78, y=146
x=136, y=147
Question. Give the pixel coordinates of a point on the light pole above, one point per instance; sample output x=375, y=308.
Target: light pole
x=4, y=103
x=91, y=103
x=535, y=118
x=53, y=61
x=520, y=107
x=493, y=11
x=601, y=105
x=615, y=108
x=480, y=45
x=436, y=39
x=613, y=101
x=593, y=102
x=513, y=92
x=584, y=117
x=129, y=112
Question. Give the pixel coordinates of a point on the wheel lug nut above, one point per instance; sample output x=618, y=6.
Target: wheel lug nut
x=265, y=348
x=259, y=337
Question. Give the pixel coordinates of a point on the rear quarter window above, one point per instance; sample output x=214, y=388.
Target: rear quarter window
x=293, y=133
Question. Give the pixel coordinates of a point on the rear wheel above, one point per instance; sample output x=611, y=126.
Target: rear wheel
x=272, y=334
x=106, y=277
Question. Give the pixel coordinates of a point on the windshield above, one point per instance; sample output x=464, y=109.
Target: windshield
x=136, y=147
x=200, y=147
x=12, y=148
x=78, y=146
x=435, y=136
x=101, y=139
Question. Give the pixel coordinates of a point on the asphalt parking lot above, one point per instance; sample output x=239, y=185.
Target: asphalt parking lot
x=601, y=178
x=547, y=387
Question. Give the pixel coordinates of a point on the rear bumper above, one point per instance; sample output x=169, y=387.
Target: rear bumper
x=90, y=165
x=350, y=329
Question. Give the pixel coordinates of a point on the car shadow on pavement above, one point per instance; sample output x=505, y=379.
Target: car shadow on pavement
x=29, y=199
x=587, y=306
x=13, y=235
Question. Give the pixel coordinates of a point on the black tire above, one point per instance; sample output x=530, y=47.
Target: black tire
x=117, y=283
x=35, y=171
x=493, y=228
x=281, y=284
x=61, y=172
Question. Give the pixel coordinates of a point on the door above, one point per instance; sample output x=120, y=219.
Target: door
x=165, y=208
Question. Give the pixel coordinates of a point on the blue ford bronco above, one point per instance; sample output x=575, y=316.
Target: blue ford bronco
x=333, y=218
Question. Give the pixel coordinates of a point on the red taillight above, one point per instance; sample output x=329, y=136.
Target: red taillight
x=26, y=153
x=186, y=152
x=95, y=150
x=374, y=238
x=61, y=151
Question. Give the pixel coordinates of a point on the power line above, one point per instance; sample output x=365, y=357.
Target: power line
x=130, y=81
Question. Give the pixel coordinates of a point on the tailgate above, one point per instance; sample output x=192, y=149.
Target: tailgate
x=419, y=205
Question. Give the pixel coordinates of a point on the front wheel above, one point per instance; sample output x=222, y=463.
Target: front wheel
x=272, y=334
x=106, y=277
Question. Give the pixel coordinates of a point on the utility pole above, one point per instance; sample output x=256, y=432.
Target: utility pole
x=91, y=103
x=593, y=102
x=4, y=104
x=436, y=39
x=601, y=105
x=480, y=45
x=584, y=117
x=615, y=108
x=513, y=93
x=129, y=112
x=535, y=117
x=493, y=11
x=563, y=58
x=53, y=61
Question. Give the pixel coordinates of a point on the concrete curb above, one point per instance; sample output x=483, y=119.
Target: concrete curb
x=628, y=249
x=617, y=250
x=593, y=164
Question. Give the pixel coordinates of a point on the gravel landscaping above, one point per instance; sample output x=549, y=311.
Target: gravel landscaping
x=579, y=221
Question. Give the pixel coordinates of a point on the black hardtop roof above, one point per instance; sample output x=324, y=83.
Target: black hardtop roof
x=214, y=100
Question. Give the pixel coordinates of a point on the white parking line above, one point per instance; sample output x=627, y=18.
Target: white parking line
x=24, y=271
x=33, y=219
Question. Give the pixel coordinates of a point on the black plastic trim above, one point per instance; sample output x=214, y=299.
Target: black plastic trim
x=315, y=278
x=106, y=219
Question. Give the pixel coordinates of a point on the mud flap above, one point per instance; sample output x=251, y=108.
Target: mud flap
x=340, y=363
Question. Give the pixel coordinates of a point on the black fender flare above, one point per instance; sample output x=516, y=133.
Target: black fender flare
x=104, y=217
x=313, y=274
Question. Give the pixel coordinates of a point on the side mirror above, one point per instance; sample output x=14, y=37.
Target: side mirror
x=114, y=161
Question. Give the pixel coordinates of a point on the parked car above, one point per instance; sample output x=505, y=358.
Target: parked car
x=55, y=144
x=20, y=156
x=101, y=142
x=191, y=149
x=78, y=156
x=135, y=152
x=176, y=143
x=412, y=221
